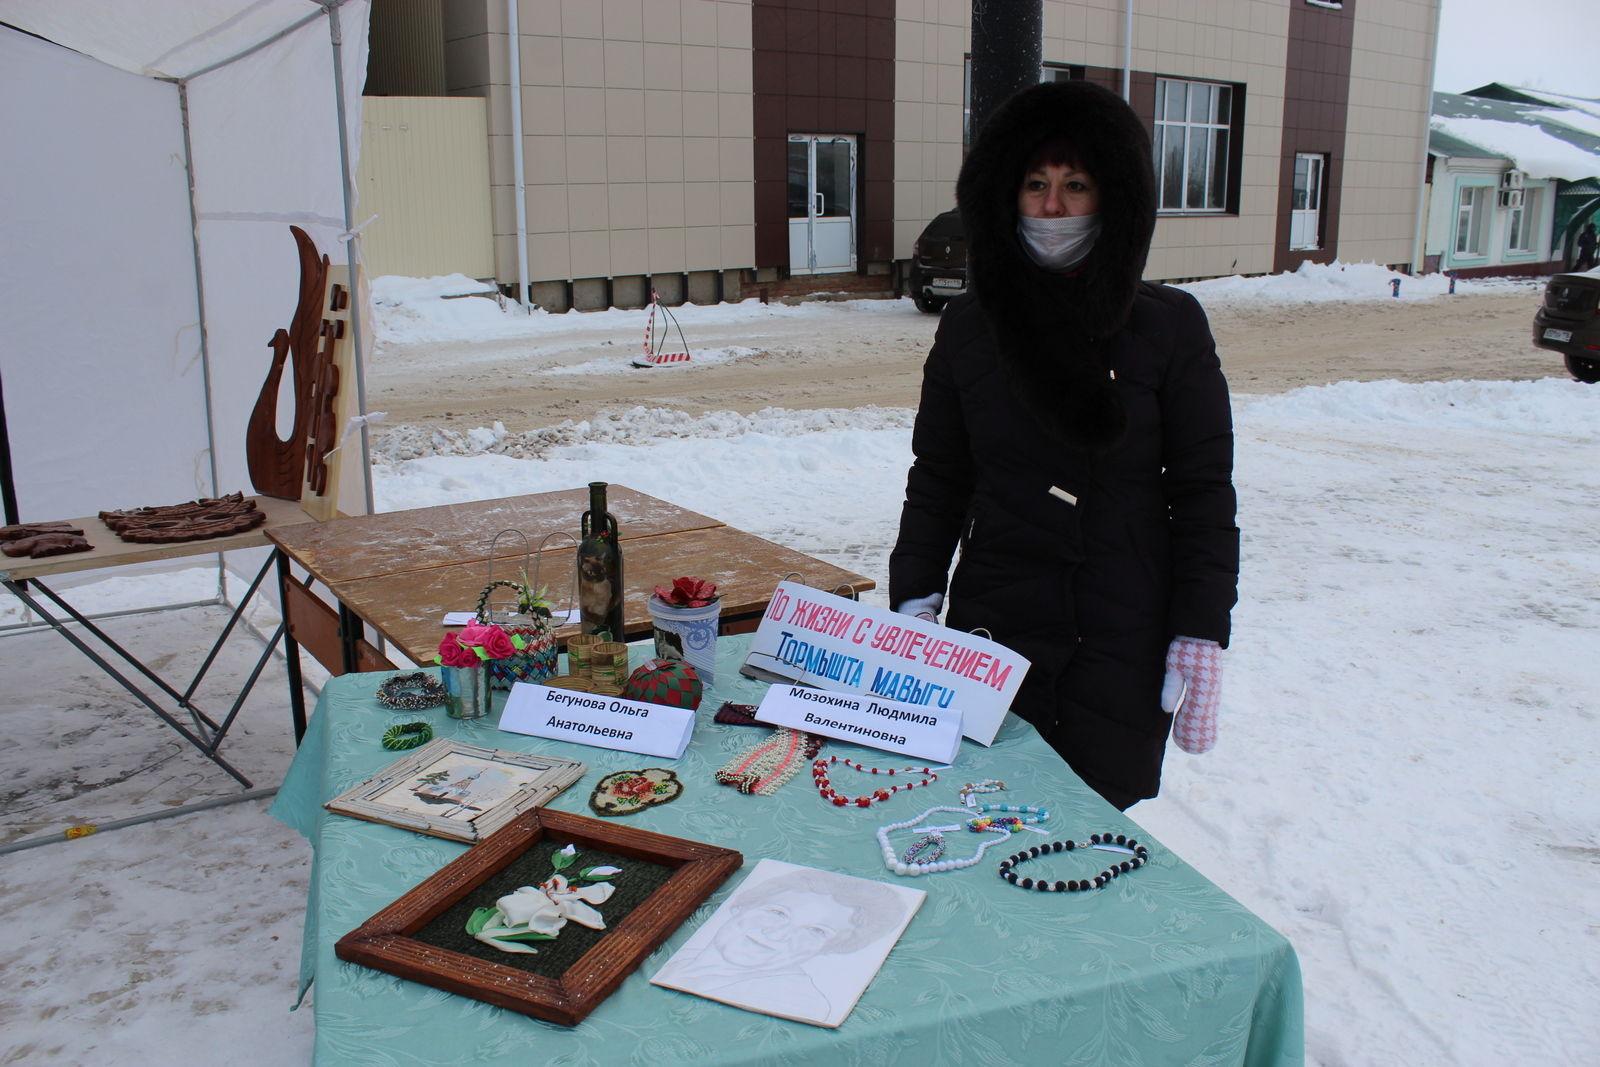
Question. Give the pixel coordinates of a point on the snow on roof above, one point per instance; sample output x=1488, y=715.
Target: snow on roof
x=1546, y=139
x=1531, y=148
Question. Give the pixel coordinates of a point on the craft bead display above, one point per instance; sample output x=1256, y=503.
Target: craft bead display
x=819, y=774
x=765, y=766
x=411, y=692
x=1009, y=817
x=988, y=785
x=407, y=735
x=914, y=862
x=1141, y=856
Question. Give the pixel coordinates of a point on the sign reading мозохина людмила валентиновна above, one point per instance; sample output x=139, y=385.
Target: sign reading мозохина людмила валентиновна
x=808, y=637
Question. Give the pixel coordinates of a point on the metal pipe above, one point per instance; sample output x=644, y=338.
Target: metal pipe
x=514, y=46
x=352, y=251
x=1006, y=54
x=1127, y=51
x=74, y=833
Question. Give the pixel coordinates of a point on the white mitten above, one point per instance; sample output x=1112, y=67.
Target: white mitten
x=924, y=607
x=1193, y=689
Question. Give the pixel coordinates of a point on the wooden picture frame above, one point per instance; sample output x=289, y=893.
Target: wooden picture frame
x=386, y=942
x=391, y=796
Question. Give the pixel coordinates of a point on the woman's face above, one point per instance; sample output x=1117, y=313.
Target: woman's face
x=1056, y=191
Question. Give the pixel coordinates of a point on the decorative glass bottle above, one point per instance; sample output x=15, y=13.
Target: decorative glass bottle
x=600, y=568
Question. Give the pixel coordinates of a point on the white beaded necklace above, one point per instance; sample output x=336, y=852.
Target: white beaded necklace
x=899, y=866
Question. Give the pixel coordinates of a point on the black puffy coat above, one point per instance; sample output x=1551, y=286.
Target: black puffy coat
x=1075, y=439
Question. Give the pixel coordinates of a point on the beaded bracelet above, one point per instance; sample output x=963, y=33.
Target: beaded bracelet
x=1141, y=856
x=910, y=864
x=1024, y=816
x=411, y=692
x=407, y=735
x=988, y=785
x=819, y=775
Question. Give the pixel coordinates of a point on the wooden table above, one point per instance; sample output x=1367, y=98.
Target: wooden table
x=400, y=572
x=24, y=578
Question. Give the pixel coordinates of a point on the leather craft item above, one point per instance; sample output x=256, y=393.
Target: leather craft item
x=52, y=543
x=34, y=529
x=196, y=520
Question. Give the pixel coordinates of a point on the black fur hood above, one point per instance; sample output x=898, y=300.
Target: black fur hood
x=1048, y=327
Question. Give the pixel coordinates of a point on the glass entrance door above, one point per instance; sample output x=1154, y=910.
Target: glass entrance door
x=1305, y=215
x=822, y=203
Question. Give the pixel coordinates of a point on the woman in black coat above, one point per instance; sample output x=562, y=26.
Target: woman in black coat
x=1075, y=440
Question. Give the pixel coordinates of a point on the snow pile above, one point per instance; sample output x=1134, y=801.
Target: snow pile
x=629, y=427
x=1319, y=283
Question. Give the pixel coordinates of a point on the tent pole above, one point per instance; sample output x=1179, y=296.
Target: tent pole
x=336, y=36
x=200, y=305
x=199, y=285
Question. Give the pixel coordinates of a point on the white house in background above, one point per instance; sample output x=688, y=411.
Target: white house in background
x=1513, y=174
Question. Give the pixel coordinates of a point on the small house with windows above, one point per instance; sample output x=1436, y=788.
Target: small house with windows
x=712, y=149
x=1513, y=176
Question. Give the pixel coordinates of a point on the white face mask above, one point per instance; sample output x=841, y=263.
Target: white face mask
x=1058, y=244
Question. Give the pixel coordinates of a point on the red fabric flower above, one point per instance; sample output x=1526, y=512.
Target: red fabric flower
x=688, y=592
x=494, y=641
x=452, y=653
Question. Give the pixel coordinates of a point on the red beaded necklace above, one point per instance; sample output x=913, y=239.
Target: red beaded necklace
x=819, y=774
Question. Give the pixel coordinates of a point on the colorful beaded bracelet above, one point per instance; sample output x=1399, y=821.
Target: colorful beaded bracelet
x=1023, y=816
x=1119, y=843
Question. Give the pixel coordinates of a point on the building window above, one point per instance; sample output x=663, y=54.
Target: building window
x=1469, y=220
x=1193, y=140
x=1519, y=222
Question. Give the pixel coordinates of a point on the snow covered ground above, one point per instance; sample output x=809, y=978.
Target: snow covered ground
x=1405, y=785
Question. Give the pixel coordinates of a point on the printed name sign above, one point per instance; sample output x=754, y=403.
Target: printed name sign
x=602, y=721
x=925, y=731
x=813, y=638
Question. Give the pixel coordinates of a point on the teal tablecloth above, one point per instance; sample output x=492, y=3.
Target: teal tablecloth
x=1161, y=967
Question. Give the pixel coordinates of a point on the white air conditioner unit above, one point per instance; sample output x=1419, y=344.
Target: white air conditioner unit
x=1513, y=179
x=1511, y=197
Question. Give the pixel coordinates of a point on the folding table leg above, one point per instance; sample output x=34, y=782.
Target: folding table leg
x=209, y=729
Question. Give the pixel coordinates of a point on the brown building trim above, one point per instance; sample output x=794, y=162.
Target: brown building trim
x=824, y=66
x=1316, y=102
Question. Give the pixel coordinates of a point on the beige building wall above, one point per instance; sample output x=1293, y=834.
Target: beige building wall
x=1236, y=41
x=1386, y=142
x=637, y=137
x=424, y=172
x=1239, y=41
x=932, y=38
x=1226, y=40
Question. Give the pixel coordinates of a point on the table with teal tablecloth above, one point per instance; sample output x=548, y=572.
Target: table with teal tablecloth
x=1160, y=967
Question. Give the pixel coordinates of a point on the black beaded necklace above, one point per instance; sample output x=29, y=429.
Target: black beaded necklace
x=1117, y=843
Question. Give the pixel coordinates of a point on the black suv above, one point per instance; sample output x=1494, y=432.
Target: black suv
x=1569, y=323
x=939, y=263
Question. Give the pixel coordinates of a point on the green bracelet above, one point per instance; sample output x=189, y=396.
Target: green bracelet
x=407, y=735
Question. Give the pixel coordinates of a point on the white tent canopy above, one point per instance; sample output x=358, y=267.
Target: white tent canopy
x=155, y=155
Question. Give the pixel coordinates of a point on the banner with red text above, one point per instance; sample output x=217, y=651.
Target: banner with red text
x=808, y=637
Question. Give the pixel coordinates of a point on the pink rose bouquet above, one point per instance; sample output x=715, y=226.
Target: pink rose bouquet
x=478, y=643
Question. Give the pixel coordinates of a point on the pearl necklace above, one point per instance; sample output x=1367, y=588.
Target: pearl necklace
x=934, y=841
x=1121, y=843
x=819, y=775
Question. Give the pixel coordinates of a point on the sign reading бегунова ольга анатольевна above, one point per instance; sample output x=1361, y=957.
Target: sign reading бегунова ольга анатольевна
x=808, y=637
